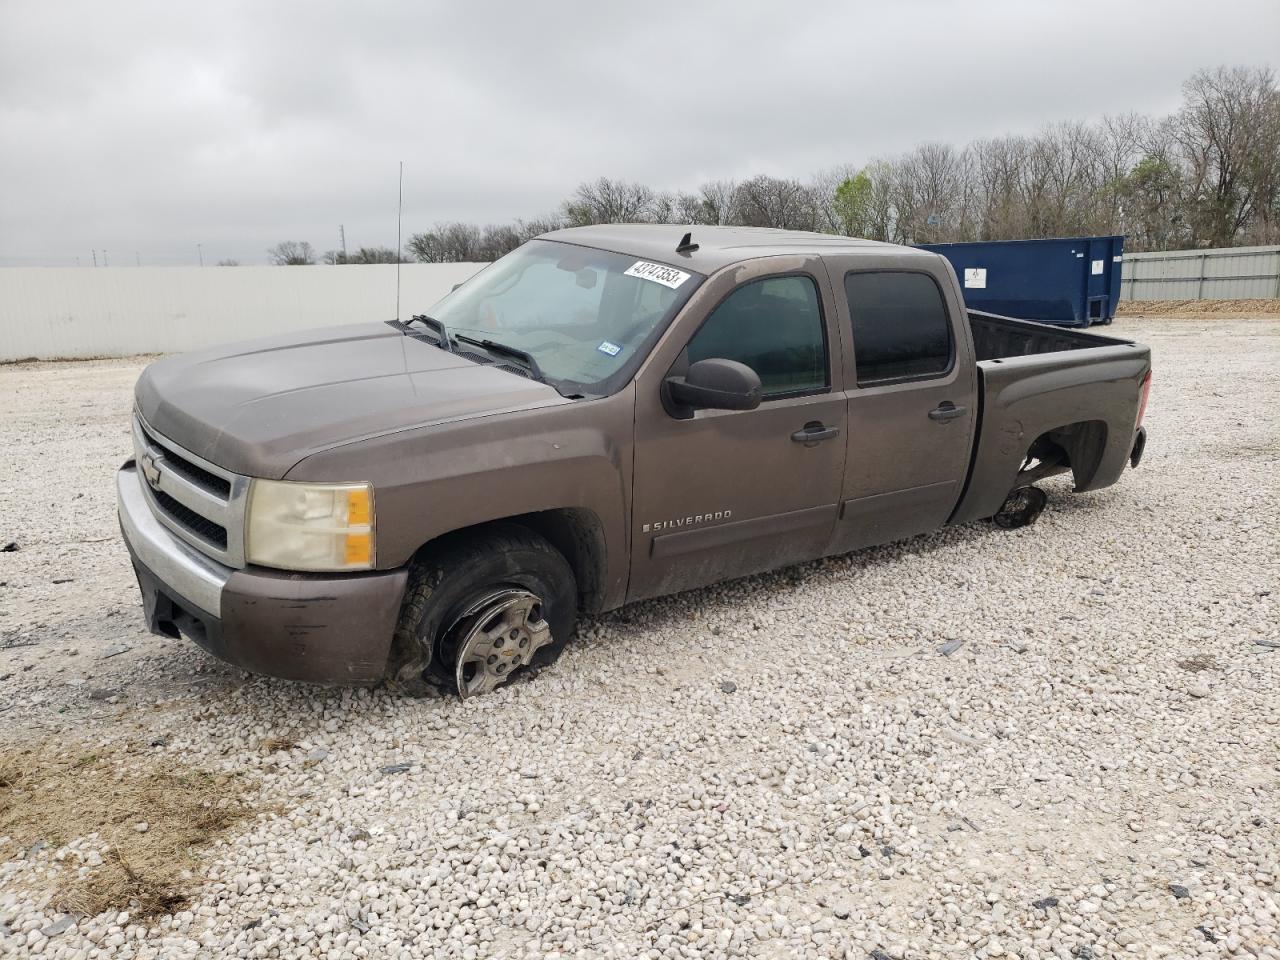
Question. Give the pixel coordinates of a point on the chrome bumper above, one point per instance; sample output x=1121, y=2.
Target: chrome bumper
x=181, y=567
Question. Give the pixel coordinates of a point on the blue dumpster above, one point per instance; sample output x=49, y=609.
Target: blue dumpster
x=1073, y=281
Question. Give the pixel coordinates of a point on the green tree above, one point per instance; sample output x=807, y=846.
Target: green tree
x=853, y=204
x=1153, y=207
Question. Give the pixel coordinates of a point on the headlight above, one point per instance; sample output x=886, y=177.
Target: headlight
x=310, y=526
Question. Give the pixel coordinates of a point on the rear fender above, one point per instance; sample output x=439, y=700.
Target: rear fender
x=1024, y=398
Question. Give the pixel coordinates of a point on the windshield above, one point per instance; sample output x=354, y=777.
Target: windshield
x=586, y=316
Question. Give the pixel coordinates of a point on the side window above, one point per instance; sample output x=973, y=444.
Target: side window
x=900, y=326
x=774, y=326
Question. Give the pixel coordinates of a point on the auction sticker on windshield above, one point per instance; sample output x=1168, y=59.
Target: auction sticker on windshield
x=657, y=272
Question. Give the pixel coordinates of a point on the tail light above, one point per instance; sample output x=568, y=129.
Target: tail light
x=1142, y=401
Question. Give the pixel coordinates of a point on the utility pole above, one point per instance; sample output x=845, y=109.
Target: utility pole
x=200, y=251
x=342, y=237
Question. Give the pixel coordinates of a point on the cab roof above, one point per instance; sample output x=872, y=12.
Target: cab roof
x=718, y=246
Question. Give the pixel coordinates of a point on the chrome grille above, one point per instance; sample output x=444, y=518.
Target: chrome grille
x=199, y=476
x=195, y=499
x=214, y=533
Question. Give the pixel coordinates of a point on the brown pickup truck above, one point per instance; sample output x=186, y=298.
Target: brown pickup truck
x=606, y=414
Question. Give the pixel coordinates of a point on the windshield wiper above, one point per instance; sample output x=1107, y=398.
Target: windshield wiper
x=436, y=327
x=501, y=348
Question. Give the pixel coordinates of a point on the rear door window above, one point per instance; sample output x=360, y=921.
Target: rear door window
x=901, y=330
x=774, y=326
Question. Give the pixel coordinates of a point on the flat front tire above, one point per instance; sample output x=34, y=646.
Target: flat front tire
x=483, y=608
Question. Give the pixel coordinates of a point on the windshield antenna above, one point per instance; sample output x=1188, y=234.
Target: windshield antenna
x=399, y=217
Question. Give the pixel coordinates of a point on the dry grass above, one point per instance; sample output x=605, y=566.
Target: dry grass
x=56, y=797
x=1199, y=309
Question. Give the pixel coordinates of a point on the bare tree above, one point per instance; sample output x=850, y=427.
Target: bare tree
x=528, y=229
x=498, y=241
x=1118, y=148
x=609, y=201
x=1063, y=152
x=365, y=255
x=717, y=202
x=932, y=196
x=453, y=242
x=1225, y=129
x=292, y=253
x=772, y=202
x=663, y=208
x=997, y=173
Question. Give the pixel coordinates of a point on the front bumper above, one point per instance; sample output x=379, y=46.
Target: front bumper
x=321, y=628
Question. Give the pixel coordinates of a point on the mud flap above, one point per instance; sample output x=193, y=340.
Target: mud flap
x=1139, y=447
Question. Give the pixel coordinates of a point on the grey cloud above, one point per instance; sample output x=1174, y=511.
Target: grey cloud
x=153, y=127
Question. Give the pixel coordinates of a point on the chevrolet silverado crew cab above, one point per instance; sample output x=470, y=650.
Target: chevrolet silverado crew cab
x=603, y=415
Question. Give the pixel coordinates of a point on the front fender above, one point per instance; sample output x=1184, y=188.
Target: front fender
x=430, y=481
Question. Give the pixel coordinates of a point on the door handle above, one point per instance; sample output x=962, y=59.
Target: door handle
x=946, y=410
x=815, y=431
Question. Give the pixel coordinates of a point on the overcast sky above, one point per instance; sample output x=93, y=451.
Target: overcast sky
x=145, y=129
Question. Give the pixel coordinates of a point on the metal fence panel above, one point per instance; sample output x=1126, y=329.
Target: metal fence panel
x=1230, y=273
x=53, y=312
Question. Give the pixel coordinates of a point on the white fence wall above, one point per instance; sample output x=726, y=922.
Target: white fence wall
x=1229, y=273
x=53, y=312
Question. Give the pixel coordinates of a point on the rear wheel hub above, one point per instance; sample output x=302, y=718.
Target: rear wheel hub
x=1021, y=508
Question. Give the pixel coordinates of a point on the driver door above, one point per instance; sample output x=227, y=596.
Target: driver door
x=728, y=493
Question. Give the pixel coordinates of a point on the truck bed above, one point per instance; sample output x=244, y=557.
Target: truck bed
x=1078, y=389
x=996, y=337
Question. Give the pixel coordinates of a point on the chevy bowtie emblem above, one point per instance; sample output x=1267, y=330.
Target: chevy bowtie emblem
x=150, y=469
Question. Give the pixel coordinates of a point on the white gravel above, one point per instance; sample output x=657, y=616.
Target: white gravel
x=785, y=766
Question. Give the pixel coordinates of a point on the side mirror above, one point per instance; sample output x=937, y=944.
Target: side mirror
x=713, y=384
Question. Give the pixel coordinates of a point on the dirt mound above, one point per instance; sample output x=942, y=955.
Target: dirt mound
x=1199, y=308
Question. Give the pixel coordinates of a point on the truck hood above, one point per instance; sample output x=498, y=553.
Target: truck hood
x=258, y=408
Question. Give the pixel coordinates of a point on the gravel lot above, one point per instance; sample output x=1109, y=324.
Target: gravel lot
x=787, y=766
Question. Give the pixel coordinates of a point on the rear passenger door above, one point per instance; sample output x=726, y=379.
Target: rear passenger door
x=912, y=399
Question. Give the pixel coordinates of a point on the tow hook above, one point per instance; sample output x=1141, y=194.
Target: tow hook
x=1139, y=445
